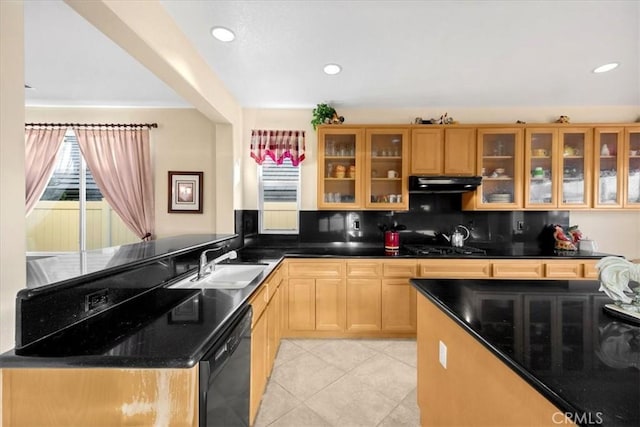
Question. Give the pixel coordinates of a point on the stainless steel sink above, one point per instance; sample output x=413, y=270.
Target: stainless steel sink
x=225, y=276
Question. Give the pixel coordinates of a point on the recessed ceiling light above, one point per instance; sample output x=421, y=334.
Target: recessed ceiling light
x=223, y=34
x=606, y=67
x=332, y=69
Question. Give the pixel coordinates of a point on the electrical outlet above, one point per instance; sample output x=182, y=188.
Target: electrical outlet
x=443, y=355
x=96, y=299
x=520, y=225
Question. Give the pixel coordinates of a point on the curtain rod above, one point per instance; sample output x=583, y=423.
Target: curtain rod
x=109, y=125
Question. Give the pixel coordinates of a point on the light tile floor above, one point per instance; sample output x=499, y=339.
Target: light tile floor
x=342, y=383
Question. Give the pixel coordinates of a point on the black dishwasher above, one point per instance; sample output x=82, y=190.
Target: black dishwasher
x=225, y=376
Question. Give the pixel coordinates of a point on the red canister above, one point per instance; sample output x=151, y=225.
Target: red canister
x=391, y=241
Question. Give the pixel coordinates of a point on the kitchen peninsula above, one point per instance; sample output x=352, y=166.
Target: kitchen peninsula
x=524, y=353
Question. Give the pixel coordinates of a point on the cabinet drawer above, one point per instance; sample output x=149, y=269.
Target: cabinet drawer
x=589, y=269
x=517, y=269
x=400, y=268
x=364, y=269
x=563, y=269
x=455, y=268
x=316, y=269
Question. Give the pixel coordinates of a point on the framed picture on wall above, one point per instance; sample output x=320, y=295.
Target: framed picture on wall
x=185, y=192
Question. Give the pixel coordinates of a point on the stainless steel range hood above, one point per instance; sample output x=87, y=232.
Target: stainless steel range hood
x=443, y=184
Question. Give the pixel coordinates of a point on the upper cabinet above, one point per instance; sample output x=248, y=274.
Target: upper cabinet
x=443, y=151
x=499, y=160
x=616, y=181
x=340, y=162
x=558, y=168
x=532, y=167
x=363, y=168
x=608, y=167
x=385, y=174
x=631, y=167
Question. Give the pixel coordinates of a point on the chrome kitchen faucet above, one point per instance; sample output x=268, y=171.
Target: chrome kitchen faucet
x=202, y=269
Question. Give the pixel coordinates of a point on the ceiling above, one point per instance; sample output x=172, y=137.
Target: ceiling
x=393, y=54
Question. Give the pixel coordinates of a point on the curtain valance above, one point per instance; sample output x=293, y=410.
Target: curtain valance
x=278, y=144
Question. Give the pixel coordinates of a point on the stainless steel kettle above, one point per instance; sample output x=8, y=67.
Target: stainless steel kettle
x=457, y=238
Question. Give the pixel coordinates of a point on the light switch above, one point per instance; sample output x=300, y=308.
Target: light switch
x=443, y=355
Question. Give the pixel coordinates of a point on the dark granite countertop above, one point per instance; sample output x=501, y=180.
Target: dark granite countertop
x=47, y=270
x=556, y=336
x=162, y=328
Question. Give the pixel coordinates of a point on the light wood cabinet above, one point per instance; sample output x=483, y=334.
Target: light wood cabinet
x=364, y=305
x=443, y=151
x=266, y=332
x=99, y=397
x=558, y=167
x=398, y=305
x=608, y=188
x=508, y=269
x=330, y=305
x=352, y=298
x=340, y=166
x=399, y=296
x=301, y=310
x=386, y=171
x=259, y=363
x=631, y=167
x=455, y=268
x=520, y=269
x=499, y=161
x=363, y=167
x=316, y=295
x=616, y=179
x=476, y=386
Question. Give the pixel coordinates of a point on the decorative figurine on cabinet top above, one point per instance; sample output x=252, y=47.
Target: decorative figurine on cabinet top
x=563, y=119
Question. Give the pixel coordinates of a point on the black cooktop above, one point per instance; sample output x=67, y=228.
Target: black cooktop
x=427, y=250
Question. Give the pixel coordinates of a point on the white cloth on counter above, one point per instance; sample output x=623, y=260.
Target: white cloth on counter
x=615, y=273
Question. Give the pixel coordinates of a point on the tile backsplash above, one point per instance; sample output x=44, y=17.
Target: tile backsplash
x=428, y=214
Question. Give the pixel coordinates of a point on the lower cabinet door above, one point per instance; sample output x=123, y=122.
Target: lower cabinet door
x=302, y=304
x=330, y=305
x=398, y=306
x=364, y=305
x=259, y=347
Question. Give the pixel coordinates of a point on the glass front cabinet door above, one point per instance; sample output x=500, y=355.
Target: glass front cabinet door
x=574, y=153
x=385, y=174
x=632, y=166
x=340, y=160
x=558, y=168
x=608, y=176
x=500, y=164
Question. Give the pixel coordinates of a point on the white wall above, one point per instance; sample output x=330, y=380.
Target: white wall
x=185, y=140
x=12, y=187
x=616, y=232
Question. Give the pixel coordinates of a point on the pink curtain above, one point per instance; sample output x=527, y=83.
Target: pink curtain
x=278, y=144
x=120, y=162
x=41, y=149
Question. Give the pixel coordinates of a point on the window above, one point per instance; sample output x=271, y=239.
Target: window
x=65, y=180
x=279, y=189
x=72, y=215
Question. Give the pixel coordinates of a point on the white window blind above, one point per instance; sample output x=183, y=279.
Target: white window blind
x=279, y=190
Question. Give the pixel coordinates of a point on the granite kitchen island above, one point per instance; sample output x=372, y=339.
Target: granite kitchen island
x=517, y=352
